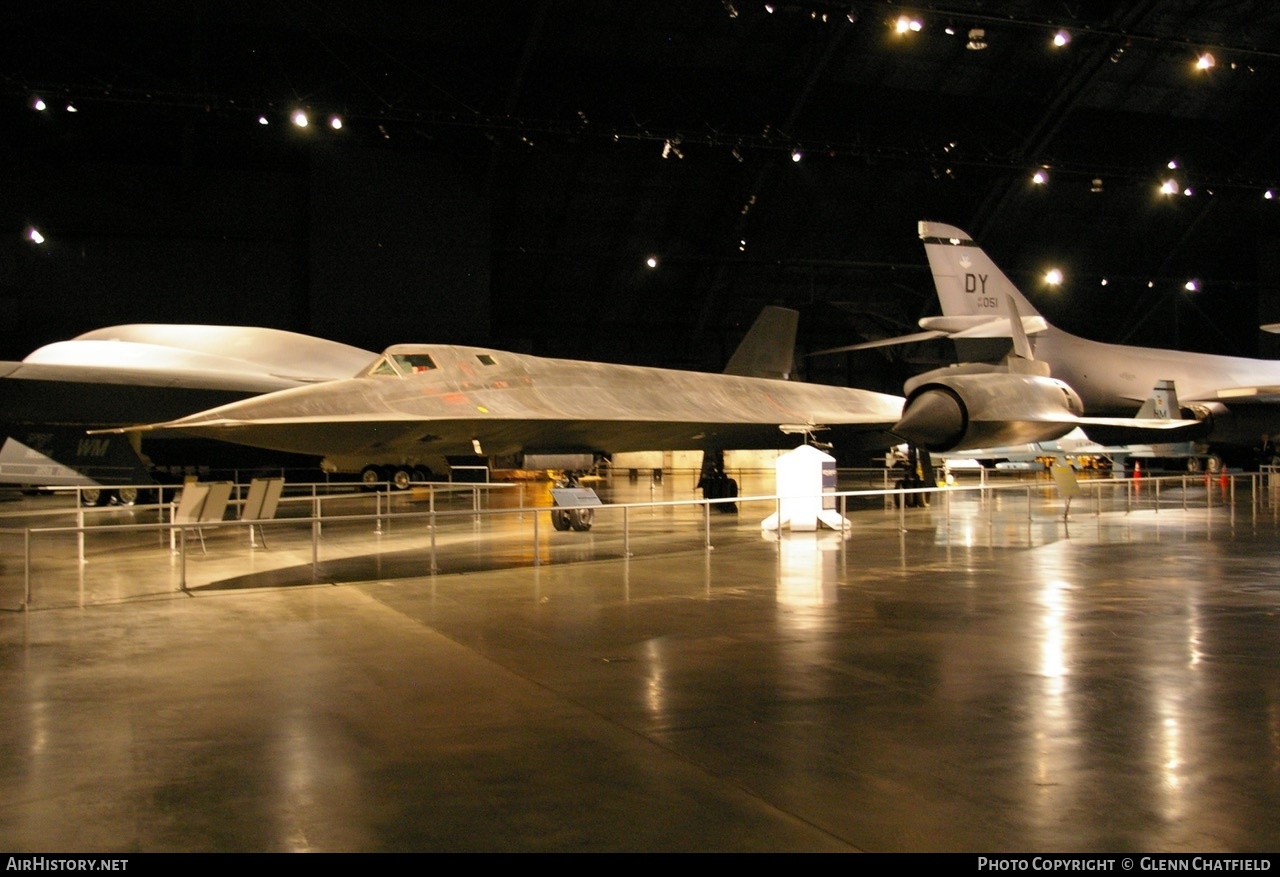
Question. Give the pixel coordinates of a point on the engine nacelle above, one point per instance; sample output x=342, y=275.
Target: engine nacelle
x=950, y=410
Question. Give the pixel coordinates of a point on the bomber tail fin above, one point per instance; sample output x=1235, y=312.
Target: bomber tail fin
x=769, y=347
x=969, y=283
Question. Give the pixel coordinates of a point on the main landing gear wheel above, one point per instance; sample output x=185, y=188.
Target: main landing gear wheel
x=369, y=478
x=401, y=477
x=577, y=519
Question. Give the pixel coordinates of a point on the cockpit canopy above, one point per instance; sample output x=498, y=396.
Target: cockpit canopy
x=397, y=365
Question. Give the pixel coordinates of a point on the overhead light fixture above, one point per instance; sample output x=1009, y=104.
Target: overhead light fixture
x=1053, y=277
x=1095, y=185
x=1173, y=164
x=1192, y=285
x=34, y=236
x=907, y=24
x=1104, y=281
x=300, y=119
x=335, y=122
x=730, y=8
x=651, y=262
x=38, y=104
x=768, y=7
x=796, y=154
x=977, y=39
x=1169, y=187
x=1061, y=38
x=1039, y=178
x=262, y=120
x=1188, y=191
x=71, y=108
x=1269, y=194
x=1206, y=62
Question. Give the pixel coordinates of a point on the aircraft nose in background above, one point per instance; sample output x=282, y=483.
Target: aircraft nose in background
x=932, y=419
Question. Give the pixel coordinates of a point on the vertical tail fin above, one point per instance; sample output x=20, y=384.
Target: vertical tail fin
x=769, y=347
x=1162, y=404
x=968, y=282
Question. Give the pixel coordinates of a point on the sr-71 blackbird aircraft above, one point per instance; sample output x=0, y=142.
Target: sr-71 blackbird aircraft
x=425, y=401
x=1237, y=399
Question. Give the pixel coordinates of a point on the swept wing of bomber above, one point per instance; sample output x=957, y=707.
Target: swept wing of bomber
x=122, y=375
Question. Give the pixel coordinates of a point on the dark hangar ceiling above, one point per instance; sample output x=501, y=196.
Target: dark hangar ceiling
x=504, y=169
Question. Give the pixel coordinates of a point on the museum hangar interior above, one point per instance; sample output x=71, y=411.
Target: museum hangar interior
x=633, y=183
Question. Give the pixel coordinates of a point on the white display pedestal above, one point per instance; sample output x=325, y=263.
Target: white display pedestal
x=803, y=475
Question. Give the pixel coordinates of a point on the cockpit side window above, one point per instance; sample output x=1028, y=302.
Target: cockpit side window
x=414, y=363
x=384, y=368
x=485, y=359
x=397, y=365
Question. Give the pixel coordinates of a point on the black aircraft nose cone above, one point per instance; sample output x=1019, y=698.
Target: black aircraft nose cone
x=932, y=420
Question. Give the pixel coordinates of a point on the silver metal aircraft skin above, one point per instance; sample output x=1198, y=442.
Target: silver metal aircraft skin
x=423, y=401
x=121, y=375
x=418, y=403
x=1238, y=398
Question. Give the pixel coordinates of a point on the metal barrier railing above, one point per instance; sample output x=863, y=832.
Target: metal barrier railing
x=1126, y=495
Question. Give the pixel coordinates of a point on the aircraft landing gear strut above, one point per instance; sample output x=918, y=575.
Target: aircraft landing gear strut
x=715, y=484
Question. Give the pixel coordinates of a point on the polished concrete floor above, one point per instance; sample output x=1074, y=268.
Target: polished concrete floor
x=978, y=675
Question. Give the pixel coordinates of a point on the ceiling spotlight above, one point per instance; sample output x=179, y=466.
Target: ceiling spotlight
x=1205, y=62
x=949, y=31
x=1188, y=192
x=34, y=236
x=652, y=261
x=796, y=154
x=1151, y=284
x=1169, y=187
x=38, y=105
x=768, y=7
x=262, y=120
x=1039, y=178
x=1061, y=38
x=730, y=8
x=977, y=39
x=1269, y=194
x=71, y=108
x=907, y=24
x=300, y=119
x=335, y=122
x=1104, y=281
x=1192, y=285
x=1053, y=277
x=1096, y=184
x=1173, y=164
